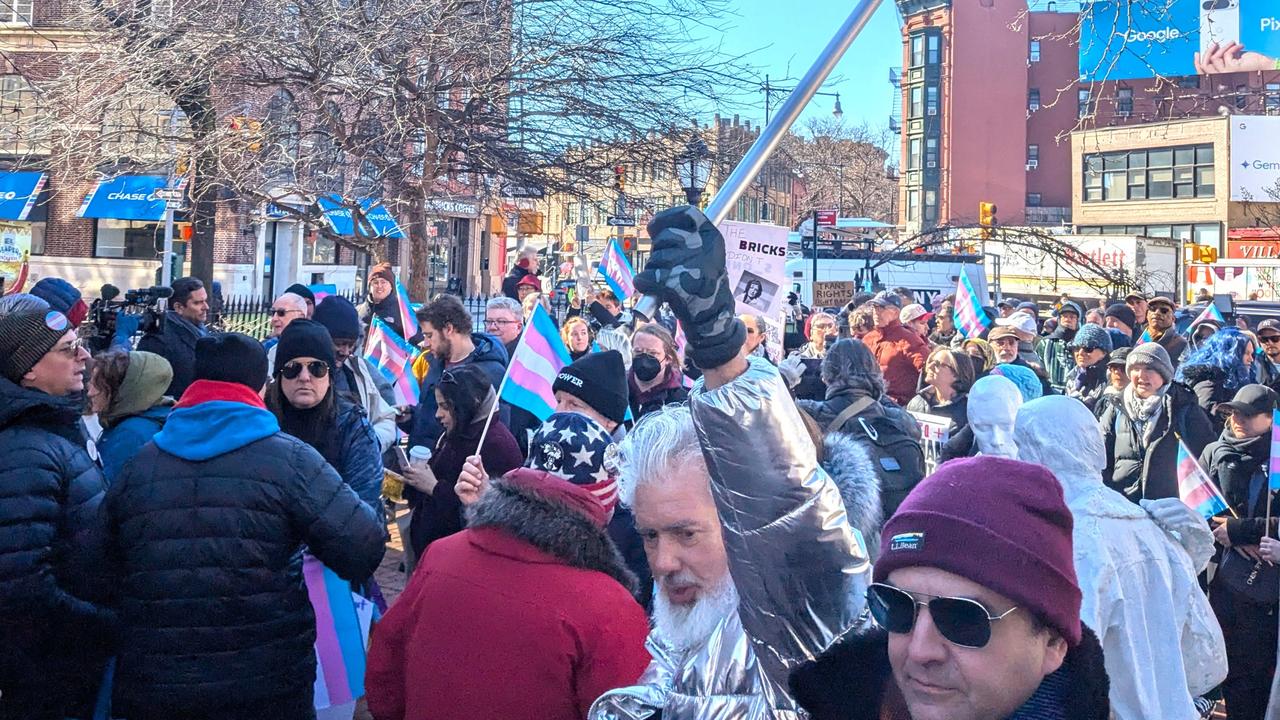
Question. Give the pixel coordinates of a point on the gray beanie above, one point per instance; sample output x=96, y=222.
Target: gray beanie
x=1154, y=356
x=1091, y=336
x=27, y=336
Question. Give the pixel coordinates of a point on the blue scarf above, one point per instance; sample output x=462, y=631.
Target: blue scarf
x=1049, y=702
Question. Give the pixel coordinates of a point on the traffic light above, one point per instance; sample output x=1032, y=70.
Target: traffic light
x=1206, y=254
x=620, y=178
x=627, y=245
x=987, y=218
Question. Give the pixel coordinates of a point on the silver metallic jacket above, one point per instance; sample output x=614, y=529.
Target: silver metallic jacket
x=800, y=569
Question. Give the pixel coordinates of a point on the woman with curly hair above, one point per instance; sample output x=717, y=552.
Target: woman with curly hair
x=1217, y=369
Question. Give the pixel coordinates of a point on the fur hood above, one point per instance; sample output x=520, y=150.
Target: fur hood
x=552, y=527
x=854, y=473
x=852, y=680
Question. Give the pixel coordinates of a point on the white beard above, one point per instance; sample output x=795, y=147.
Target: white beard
x=685, y=627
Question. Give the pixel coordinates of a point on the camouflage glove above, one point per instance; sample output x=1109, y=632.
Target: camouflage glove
x=686, y=270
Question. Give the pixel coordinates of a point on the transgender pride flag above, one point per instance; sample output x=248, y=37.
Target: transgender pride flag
x=394, y=357
x=537, y=360
x=408, y=320
x=1273, y=479
x=969, y=316
x=1211, y=312
x=617, y=271
x=1195, y=488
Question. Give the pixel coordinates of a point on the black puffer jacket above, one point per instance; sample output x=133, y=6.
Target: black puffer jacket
x=1209, y=385
x=176, y=342
x=208, y=523
x=1146, y=467
x=53, y=627
x=1234, y=464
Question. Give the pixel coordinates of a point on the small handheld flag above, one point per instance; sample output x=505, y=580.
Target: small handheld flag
x=394, y=358
x=617, y=271
x=1195, y=488
x=343, y=621
x=969, y=316
x=1211, y=312
x=408, y=320
x=539, y=357
x=1273, y=481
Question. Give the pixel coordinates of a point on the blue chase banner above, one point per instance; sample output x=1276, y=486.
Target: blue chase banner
x=339, y=217
x=128, y=197
x=18, y=193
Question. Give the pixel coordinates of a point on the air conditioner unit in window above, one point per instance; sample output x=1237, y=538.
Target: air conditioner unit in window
x=933, y=111
x=1033, y=164
x=931, y=165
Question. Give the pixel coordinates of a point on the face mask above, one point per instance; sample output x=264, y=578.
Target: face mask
x=646, y=367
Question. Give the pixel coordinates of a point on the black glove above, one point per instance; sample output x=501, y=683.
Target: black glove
x=686, y=270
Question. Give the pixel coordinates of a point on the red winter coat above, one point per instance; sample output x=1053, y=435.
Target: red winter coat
x=492, y=627
x=901, y=353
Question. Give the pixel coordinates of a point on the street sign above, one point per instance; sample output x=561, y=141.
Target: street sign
x=169, y=193
x=174, y=204
x=621, y=221
x=827, y=218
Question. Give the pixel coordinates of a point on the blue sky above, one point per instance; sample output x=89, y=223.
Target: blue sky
x=784, y=37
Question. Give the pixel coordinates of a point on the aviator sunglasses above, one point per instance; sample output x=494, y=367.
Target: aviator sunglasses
x=317, y=369
x=961, y=621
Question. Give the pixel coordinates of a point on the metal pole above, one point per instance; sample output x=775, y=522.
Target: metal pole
x=777, y=127
x=166, y=262
x=814, y=286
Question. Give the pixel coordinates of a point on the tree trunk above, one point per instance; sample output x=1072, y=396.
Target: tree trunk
x=204, y=205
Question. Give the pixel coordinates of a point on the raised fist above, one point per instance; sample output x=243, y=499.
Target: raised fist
x=686, y=270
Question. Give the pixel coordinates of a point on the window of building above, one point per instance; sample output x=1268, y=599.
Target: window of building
x=931, y=153
x=1272, y=103
x=917, y=50
x=18, y=106
x=1033, y=199
x=127, y=239
x=915, y=148
x=1035, y=51
x=317, y=250
x=1084, y=103
x=1189, y=82
x=1033, y=154
x=935, y=49
x=1242, y=97
x=1124, y=102
x=1033, y=99
x=930, y=206
x=16, y=11
x=913, y=205
x=931, y=100
x=1155, y=174
x=917, y=102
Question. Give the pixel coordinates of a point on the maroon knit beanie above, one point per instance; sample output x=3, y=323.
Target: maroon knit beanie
x=1000, y=523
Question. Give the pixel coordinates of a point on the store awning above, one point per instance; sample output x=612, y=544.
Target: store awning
x=18, y=193
x=128, y=197
x=339, y=217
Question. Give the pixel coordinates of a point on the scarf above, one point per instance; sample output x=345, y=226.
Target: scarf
x=1144, y=413
x=1049, y=702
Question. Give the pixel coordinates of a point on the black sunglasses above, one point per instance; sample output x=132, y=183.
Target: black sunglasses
x=281, y=312
x=316, y=368
x=961, y=621
x=1269, y=338
x=1081, y=348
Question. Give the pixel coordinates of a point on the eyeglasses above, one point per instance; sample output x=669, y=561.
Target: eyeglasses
x=495, y=323
x=281, y=312
x=961, y=621
x=72, y=349
x=1268, y=339
x=1082, y=349
x=316, y=368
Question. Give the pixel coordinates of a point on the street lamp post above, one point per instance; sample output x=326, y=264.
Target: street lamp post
x=694, y=168
x=769, y=89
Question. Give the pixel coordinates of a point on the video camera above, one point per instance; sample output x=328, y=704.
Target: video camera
x=140, y=308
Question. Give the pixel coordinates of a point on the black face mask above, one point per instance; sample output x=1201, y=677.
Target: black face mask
x=646, y=367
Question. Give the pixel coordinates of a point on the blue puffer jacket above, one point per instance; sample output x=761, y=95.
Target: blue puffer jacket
x=207, y=524
x=359, y=461
x=53, y=624
x=120, y=442
x=490, y=355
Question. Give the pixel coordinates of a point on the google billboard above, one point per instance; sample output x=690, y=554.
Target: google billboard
x=1121, y=39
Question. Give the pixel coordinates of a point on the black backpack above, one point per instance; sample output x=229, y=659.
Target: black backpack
x=898, y=457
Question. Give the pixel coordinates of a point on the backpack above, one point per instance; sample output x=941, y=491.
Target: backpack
x=898, y=457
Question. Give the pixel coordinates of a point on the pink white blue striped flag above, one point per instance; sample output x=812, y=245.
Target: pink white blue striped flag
x=1273, y=481
x=394, y=357
x=343, y=619
x=1211, y=312
x=969, y=316
x=539, y=357
x=1195, y=488
x=408, y=320
x=682, y=342
x=617, y=271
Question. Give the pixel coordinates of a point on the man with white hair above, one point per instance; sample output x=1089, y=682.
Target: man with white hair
x=286, y=308
x=504, y=319
x=1161, y=642
x=757, y=565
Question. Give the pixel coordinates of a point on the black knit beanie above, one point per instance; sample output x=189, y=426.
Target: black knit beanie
x=232, y=357
x=339, y=317
x=308, y=339
x=25, y=337
x=600, y=380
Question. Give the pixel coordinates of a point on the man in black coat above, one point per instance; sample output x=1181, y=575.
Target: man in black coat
x=183, y=325
x=53, y=629
x=208, y=524
x=526, y=265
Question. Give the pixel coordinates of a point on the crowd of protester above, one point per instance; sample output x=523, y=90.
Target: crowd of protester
x=888, y=517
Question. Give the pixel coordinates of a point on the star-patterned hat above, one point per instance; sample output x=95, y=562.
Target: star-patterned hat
x=574, y=447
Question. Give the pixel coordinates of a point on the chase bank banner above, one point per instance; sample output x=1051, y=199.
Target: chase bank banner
x=1127, y=40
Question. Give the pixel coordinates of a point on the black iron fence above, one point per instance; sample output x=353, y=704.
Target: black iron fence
x=251, y=315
